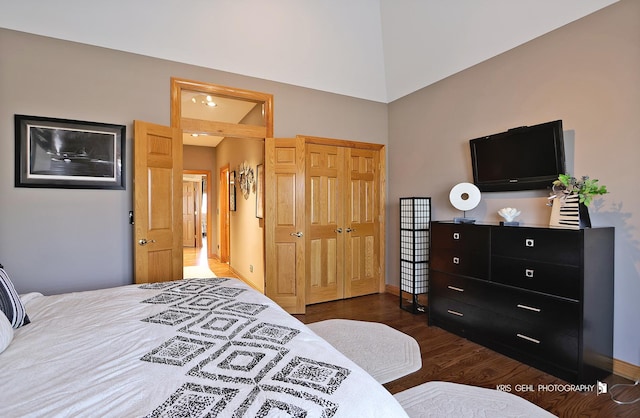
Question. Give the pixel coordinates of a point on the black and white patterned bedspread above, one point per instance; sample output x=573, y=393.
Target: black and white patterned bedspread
x=189, y=348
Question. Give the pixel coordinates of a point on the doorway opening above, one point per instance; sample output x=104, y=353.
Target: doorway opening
x=196, y=210
x=231, y=120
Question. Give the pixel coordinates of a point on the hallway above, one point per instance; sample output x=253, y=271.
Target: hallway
x=198, y=257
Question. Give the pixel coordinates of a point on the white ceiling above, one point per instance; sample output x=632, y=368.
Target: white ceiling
x=378, y=50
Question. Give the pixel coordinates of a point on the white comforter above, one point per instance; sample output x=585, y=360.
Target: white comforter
x=198, y=347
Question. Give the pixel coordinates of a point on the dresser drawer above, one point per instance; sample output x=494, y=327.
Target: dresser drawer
x=443, y=285
x=544, y=344
x=460, y=249
x=458, y=236
x=545, y=312
x=460, y=317
x=547, y=245
x=463, y=261
x=554, y=279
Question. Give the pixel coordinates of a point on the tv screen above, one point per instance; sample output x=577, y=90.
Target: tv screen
x=524, y=158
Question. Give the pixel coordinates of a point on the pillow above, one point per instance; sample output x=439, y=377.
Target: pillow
x=6, y=332
x=10, y=303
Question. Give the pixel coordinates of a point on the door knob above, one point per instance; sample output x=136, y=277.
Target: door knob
x=339, y=230
x=296, y=234
x=144, y=241
x=350, y=230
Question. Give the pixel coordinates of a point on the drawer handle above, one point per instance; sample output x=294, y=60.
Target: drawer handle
x=457, y=289
x=524, y=337
x=456, y=235
x=456, y=260
x=529, y=242
x=455, y=312
x=528, y=273
x=529, y=308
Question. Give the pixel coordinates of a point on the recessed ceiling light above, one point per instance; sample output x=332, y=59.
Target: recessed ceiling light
x=205, y=100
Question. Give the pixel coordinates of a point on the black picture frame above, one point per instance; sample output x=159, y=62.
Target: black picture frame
x=69, y=154
x=232, y=191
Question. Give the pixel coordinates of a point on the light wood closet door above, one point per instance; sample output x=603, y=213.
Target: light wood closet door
x=285, y=223
x=324, y=220
x=362, y=228
x=343, y=228
x=325, y=187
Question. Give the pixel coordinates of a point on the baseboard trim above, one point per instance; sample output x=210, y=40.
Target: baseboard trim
x=248, y=282
x=626, y=370
x=620, y=368
x=394, y=290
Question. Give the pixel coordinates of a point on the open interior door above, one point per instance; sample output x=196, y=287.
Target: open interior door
x=285, y=223
x=189, y=225
x=157, y=196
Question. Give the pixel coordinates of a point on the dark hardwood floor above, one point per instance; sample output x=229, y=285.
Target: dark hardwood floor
x=447, y=357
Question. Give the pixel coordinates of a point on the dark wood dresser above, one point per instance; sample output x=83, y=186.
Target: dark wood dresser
x=540, y=295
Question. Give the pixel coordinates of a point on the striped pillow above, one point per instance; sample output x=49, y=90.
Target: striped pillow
x=6, y=332
x=10, y=303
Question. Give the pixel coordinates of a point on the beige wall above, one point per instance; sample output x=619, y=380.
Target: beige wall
x=58, y=240
x=587, y=74
x=246, y=231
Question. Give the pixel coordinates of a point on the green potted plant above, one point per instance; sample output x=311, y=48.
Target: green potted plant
x=578, y=195
x=586, y=188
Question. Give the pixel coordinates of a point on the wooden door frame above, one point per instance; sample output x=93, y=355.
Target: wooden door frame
x=220, y=128
x=228, y=130
x=223, y=214
x=207, y=175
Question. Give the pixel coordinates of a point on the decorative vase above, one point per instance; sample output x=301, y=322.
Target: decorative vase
x=583, y=213
x=569, y=213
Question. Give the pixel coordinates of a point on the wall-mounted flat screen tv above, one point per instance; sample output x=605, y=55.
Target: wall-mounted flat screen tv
x=524, y=158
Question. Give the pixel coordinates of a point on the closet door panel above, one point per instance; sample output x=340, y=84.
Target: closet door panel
x=325, y=248
x=362, y=234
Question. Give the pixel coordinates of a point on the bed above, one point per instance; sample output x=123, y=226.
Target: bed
x=189, y=348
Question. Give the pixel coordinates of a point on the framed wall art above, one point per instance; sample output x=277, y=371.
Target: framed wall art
x=68, y=154
x=232, y=191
